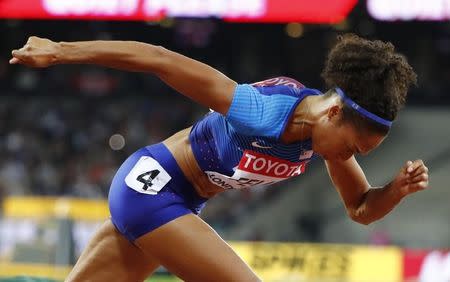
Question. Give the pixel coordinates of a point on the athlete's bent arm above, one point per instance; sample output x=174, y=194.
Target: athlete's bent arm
x=194, y=79
x=366, y=204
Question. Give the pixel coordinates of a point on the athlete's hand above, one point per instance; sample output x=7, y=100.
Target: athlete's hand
x=412, y=177
x=37, y=52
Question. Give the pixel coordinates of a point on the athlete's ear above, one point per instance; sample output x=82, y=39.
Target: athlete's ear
x=334, y=112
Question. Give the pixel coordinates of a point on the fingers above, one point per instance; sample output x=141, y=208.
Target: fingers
x=416, y=175
x=411, y=167
x=17, y=57
x=418, y=178
x=418, y=171
x=14, y=61
x=20, y=53
x=418, y=186
x=37, y=52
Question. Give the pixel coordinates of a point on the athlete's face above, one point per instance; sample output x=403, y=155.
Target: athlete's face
x=337, y=140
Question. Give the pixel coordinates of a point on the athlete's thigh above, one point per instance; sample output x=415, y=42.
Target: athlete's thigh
x=191, y=249
x=109, y=256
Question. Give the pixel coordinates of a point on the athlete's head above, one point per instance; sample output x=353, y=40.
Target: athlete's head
x=374, y=79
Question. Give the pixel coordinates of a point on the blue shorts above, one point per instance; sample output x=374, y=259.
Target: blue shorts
x=149, y=190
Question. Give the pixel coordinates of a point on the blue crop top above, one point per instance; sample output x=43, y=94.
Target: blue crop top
x=243, y=148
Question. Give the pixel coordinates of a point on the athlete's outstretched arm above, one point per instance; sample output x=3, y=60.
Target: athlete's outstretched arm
x=191, y=78
x=366, y=204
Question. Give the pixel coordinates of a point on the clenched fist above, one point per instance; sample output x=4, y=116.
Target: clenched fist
x=37, y=52
x=412, y=177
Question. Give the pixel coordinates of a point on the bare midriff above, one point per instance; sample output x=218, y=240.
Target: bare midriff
x=180, y=147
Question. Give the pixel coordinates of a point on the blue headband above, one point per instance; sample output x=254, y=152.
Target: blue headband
x=361, y=110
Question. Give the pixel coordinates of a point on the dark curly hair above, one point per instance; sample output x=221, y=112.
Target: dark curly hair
x=372, y=74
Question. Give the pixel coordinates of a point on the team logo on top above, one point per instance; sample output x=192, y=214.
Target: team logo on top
x=256, y=169
x=282, y=80
x=261, y=146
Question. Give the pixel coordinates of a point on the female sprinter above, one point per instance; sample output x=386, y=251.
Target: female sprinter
x=257, y=134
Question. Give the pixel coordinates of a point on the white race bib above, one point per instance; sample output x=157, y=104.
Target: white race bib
x=147, y=176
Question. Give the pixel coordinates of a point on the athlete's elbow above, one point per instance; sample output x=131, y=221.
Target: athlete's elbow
x=144, y=57
x=160, y=59
x=359, y=217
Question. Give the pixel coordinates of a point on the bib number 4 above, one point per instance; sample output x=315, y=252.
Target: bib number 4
x=147, y=176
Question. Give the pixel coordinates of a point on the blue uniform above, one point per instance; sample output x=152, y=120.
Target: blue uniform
x=149, y=190
x=239, y=150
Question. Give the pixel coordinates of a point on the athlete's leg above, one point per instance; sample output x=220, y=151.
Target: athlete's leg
x=191, y=249
x=109, y=256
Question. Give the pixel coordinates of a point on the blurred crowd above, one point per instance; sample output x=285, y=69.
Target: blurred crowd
x=65, y=146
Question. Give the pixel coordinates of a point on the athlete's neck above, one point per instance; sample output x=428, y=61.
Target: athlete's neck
x=306, y=116
x=300, y=124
